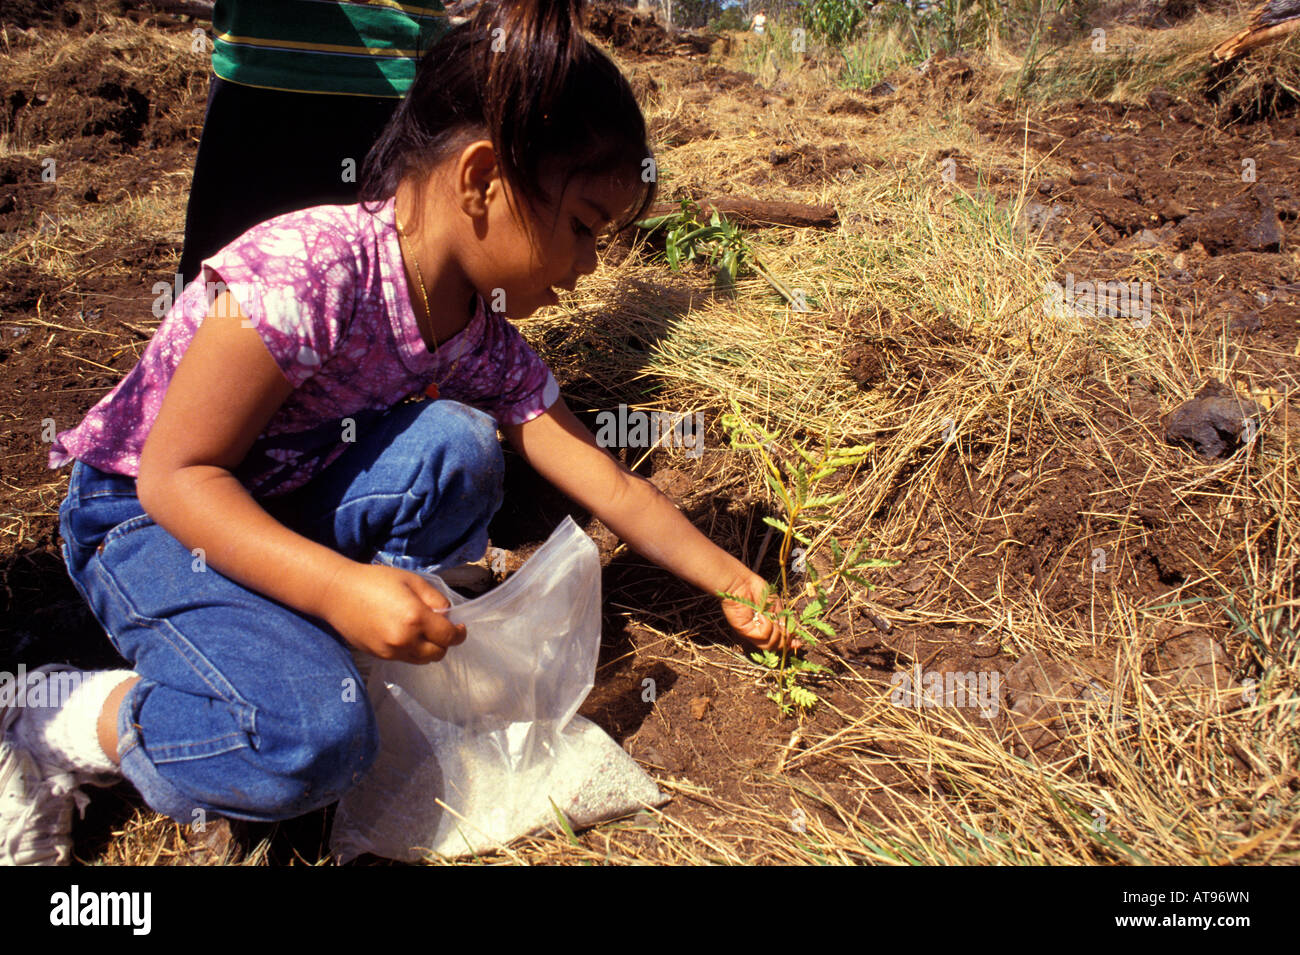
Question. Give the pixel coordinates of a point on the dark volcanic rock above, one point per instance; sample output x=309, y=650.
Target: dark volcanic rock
x=1213, y=421
x=1248, y=223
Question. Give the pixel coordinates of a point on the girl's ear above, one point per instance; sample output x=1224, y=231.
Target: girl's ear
x=477, y=178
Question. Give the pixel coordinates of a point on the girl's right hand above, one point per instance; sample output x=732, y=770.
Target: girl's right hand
x=391, y=613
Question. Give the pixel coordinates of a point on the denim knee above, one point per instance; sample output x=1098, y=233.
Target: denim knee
x=455, y=490
x=327, y=743
x=299, y=756
x=469, y=475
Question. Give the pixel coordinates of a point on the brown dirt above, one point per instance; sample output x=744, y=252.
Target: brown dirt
x=674, y=131
x=116, y=127
x=1121, y=184
x=812, y=164
x=631, y=32
x=26, y=14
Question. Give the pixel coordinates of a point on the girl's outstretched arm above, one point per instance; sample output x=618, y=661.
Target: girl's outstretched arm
x=565, y=452
x=224, y=391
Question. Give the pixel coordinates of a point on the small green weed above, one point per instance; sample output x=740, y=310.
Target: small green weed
x=788, y=681
x=716, y=241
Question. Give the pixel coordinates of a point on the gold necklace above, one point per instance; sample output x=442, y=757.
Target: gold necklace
x=424, y=296
x=432, y=391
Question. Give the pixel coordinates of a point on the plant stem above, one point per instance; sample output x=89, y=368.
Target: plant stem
x=772, y=280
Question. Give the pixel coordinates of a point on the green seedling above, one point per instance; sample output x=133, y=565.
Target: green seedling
x=799, y=697
x=793, y=480
x=716, y=241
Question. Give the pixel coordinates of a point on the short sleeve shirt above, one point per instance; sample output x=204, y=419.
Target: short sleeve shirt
x=326, y=290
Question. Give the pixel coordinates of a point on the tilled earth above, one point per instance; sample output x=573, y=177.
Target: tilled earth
x=1198, y=201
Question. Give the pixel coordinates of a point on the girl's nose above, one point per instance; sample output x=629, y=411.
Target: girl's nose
x=586, y=260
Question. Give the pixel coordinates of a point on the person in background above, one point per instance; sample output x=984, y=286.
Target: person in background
x=760, y=21
x=299, y=92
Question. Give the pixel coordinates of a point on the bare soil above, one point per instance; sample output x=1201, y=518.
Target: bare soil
x=1154, y=183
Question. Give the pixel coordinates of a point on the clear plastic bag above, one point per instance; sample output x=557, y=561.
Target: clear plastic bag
x=483, y=746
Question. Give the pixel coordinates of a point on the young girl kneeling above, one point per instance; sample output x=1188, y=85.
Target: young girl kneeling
x=251, y=501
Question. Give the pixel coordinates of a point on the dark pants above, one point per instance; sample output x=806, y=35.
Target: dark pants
x=267, y=152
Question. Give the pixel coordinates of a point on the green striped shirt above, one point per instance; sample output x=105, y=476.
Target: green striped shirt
x=359, y=47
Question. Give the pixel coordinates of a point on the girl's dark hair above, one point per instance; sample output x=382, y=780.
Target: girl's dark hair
x=520, y=74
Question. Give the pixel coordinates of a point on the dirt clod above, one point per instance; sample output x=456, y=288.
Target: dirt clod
x=1248, y=223
x=1213, y=422
x=865, y=365
x=1048, y=697
x=1192, y=664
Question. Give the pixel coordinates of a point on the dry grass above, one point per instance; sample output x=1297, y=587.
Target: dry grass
x=1153, y=775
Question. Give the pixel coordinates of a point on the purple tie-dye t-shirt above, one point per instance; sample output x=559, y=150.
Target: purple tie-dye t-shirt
x=326, y=290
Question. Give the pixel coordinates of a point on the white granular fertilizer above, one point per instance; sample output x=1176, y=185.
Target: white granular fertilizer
x=462, y=796
x=483, y=747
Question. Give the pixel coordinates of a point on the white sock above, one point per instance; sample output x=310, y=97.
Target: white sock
x=61, y=730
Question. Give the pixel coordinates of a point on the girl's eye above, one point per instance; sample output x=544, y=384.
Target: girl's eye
x=580, y=229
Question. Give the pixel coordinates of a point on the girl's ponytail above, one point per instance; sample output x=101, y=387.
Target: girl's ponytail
x=520, y=74
x=533, y=49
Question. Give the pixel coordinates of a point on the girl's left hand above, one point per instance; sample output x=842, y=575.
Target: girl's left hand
x=759, y=629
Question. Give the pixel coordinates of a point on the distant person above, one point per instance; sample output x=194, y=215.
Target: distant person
x=760, y=21
x=299, y=92
x=250, y=504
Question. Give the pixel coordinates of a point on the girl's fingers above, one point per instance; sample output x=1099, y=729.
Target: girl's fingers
x=438, y=629
x=427, y=592
x=762, y=630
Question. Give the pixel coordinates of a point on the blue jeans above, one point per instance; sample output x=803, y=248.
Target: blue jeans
x=247, y=708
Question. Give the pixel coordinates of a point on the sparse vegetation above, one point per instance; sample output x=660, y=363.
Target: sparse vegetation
x=949, y=456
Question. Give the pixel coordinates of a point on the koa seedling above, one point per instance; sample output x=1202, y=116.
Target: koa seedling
x=793, y=479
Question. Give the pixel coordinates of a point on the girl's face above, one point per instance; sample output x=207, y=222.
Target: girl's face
x=528, y=261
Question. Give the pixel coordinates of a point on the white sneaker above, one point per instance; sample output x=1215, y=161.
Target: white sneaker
x=36, y=800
